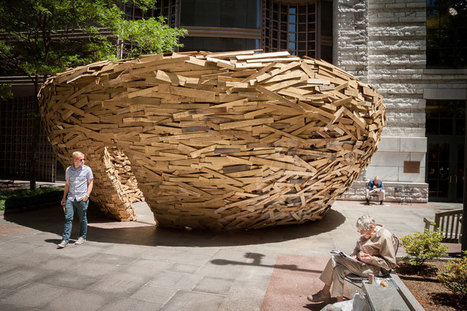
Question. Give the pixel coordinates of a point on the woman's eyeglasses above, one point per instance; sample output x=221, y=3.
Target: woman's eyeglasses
x=81, y=160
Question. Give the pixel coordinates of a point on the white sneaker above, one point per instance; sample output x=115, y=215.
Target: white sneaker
x=80, y=241
x=62, y=244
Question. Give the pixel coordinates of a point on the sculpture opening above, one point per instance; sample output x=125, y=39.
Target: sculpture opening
x=217, y=140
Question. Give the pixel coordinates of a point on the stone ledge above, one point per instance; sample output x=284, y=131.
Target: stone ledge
x=402, y=192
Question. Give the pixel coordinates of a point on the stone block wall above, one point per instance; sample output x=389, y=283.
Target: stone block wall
x=351, y=37
x=400, y=192
x=395, y=60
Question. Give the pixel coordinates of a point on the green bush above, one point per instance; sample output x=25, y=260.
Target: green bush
x=24, y=197
x=455, y=276
x=423, y=246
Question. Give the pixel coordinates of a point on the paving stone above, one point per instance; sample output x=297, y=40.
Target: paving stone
x=187, y=268
x=169, y=278
x=58, y=263
x=69, y=279
x=214, y=285
x=134, y=251
x=85, y=250
x=93, y=267
x=8, y=307
x=34, y=295
x=193, y=301
x=146, y=266
x=119, y=283
x=155, y=293
x=17, y=277
x=133, y=305
x=77, y=300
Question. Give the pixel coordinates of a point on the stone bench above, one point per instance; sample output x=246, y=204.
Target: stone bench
x=395, y=296
x=400, y=192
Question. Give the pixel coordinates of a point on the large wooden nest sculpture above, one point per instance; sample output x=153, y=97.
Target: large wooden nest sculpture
x=216, y=140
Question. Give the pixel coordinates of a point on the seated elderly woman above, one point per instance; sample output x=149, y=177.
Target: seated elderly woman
x=375, y=252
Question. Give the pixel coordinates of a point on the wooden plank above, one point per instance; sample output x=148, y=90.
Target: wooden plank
x=262, y=55
x=237, y=124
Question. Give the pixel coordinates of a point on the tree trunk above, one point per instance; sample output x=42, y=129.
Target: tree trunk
x=36, y=128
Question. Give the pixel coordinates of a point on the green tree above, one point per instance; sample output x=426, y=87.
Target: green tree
x=43, y=37
x=5, y=91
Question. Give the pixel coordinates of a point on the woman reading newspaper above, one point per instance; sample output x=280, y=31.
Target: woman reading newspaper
x=374, y=254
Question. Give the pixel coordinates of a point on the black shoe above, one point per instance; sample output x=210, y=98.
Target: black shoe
x=367, y=201
x=319, y=297
x=381, y=203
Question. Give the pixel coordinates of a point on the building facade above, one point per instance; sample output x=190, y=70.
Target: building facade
x=412, y=52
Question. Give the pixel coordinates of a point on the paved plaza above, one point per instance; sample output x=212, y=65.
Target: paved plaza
x=137, y=266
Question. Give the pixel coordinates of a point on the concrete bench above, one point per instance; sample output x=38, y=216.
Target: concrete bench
x=395, y=296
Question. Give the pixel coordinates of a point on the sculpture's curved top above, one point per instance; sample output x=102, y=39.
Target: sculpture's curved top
x=218, y=140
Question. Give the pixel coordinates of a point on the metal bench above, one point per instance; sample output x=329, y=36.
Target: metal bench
x=449, y=223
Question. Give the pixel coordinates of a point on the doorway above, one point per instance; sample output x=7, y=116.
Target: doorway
x=445, y=131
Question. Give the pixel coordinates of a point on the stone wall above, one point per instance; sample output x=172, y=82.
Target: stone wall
x=351, y=37
x=400, y=192
x=393, y=62
x=396, y=60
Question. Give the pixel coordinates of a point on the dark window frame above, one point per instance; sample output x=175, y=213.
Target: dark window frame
x=446, y=29
x=306, y=37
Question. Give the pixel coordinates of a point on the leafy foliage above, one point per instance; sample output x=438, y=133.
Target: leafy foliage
x=47, y=36
x=36, y=196
x=140, y=33
x=5, y=91
x=423, y=246
x=455, y=276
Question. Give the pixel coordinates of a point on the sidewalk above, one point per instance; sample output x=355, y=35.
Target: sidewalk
x=136, y=266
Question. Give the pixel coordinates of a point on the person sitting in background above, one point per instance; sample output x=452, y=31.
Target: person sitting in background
x=375, y=186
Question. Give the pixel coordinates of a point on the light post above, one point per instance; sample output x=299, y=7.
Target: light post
x=464, y=226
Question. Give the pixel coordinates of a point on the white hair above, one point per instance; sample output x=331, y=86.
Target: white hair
x=77, y=154
x=364, y=222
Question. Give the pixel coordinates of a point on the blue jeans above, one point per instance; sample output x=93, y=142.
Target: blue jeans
x=81, y=208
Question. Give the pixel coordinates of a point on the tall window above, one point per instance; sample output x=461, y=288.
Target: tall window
x=301, y=27
x=166, y=8
x=215, y=13
x=445, y=130
x=446, y=33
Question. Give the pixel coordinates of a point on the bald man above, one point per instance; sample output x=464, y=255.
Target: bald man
x=375, y=186
x=78, y=187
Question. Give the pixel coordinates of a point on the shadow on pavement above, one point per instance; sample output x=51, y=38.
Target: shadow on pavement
x=257, y=262
x=103, y=229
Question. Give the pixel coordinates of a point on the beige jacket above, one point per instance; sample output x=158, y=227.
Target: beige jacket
x=380, y=246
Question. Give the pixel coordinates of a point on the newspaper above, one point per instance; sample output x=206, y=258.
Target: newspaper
x=342, y=254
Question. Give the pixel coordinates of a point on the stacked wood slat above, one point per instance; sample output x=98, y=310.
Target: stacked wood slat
x=218, y=140
x=122, y=165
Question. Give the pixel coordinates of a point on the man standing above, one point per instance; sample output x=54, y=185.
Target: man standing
x=78, y=187
x=375, y=186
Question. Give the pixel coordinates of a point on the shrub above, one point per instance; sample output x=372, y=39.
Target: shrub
x=455, y=276
x=21, y=198
x=423, y=246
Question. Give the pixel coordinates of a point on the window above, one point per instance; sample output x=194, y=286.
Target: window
x=302, y=29
x=225, y=13
x=446, y=32
x=166, y=8
x=217, y=44
x=445, y=117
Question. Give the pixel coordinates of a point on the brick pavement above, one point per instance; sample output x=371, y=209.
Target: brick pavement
x=137, y=266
